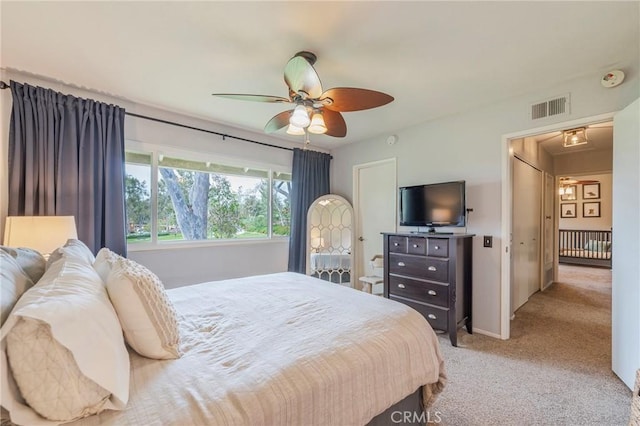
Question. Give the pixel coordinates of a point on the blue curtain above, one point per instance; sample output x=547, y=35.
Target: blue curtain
x=66, y=157
x=309, y=180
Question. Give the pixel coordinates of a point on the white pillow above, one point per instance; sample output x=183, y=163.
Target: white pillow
x=105, y=259
x=147, y=316
x=31, y=261
x=31, y=347
x=73, y=249
x=72, y=301
x=13, y=281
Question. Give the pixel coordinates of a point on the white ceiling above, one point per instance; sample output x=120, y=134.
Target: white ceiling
x=599, y=137
x=435, y=58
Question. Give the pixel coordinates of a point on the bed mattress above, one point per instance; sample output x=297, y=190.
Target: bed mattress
x=283, y=349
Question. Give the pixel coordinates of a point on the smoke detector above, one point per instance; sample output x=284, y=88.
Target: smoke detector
x=612, y=78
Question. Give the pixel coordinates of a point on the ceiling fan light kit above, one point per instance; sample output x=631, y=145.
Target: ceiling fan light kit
x=317, y=125
x=300, y=117
x=316, y=111
x=295, y=130
x=575, y=137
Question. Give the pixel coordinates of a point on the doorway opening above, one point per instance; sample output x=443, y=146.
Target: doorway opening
x=542, y=150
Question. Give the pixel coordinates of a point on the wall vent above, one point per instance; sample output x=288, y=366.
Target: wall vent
x=559, y=105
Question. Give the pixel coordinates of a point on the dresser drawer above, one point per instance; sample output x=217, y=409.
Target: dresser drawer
x=432, y=293
x=398, y=244
x=438, y=247
x=417, y=245
x=417, y=266
x=437, y=317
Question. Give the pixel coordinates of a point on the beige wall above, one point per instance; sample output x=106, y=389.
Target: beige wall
x=529, y=150
x=602, y=223
x=583, y=162
x=468, y=146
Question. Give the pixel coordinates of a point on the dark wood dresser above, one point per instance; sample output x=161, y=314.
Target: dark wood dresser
x=431, y=273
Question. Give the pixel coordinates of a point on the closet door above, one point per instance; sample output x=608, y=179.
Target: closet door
x=527, y=209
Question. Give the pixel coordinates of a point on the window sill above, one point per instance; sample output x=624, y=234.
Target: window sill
x=178, y=245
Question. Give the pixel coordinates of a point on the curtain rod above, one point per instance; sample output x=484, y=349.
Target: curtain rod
x=4, y=85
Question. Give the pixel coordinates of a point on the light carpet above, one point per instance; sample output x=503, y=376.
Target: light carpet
x=555, y=369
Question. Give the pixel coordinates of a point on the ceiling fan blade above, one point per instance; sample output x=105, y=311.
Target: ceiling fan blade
x=353, y=99
x=278, y=122
x=253, y=98
x=300, y=75
x=335, y=123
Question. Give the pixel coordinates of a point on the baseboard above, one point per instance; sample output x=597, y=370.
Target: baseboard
x=486, y=333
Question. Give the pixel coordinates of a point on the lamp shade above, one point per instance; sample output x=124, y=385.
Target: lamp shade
x=300, y=117
x=317, y=125
x=41, y=233
x=293, y=130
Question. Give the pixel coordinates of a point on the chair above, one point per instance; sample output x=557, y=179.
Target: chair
x=374, y=283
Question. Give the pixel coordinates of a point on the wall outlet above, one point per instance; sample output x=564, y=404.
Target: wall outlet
x=487, y=241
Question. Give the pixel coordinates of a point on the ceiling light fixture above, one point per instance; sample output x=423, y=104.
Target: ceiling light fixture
x=295, y=130
x=300, y=117
x=575, y=137
x=317, y=125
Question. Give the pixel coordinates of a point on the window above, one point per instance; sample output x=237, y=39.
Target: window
x=203, y=200
x=138, y=197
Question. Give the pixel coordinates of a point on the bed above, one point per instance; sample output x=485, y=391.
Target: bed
x=585, y=248
x=284, y=349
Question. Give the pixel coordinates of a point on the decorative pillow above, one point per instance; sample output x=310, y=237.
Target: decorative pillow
x=70, y=306
x=31, y=347
x=74, y=249
x=14, y=283
x=147, y=316
x=105, y=259
x=599, y=246
x=31, y=261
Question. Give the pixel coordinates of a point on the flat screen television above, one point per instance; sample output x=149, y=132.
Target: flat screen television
x=433, y=205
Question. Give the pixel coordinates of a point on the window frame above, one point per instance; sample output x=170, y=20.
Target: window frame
x=156, y=151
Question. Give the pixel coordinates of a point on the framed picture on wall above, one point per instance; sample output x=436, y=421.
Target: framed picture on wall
x=591, y=209
x=570, y=193
x=568, y=210
x=591, y=191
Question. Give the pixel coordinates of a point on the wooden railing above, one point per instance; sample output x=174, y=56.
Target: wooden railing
x=585, y=247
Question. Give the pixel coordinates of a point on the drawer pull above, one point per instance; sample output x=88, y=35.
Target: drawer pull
x=431, y=316
x=396, y=244
x=437, y=247
x=432, y=268
x=401, y=286
x=415, y=246
x=431, y=293
x=400, y=263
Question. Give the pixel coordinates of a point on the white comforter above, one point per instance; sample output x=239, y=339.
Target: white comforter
x=283, y=349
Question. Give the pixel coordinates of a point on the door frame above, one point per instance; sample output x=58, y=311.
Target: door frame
x=356, y=207
x=507, y=176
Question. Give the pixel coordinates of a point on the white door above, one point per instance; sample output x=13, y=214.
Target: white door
x=375, y=192
x=625, y=295
x=525, y=223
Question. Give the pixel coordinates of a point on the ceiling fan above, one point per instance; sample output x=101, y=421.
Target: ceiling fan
x=564, y=181
x=315, y=111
